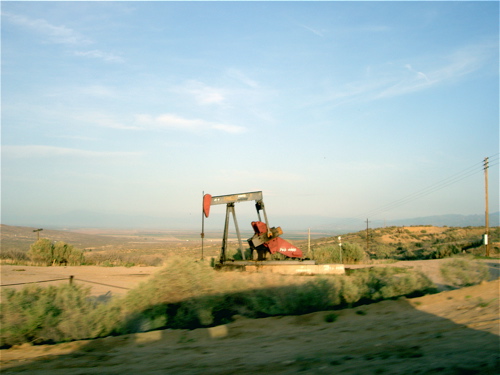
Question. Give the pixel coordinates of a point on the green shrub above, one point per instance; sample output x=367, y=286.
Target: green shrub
x=444, y=251
x=43, y=251
x=187, y=294
x=116, y=258
x=383, y=252
x=14, y=256
x=180, y=284
x=388, y=282
x=38, y=315
x=315, y=295
x=352, y=253
x=464, y=272
x=237, y=254
x=327, y=254
x=68, y=254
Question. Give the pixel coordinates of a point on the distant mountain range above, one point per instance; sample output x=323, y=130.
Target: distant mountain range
x=87, y=219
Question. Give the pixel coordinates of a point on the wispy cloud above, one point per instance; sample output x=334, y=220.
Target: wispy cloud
x=171, y=121
x=60, y=34
x=77, y=137
x=315, y=31
x=102, y=119
x=52, y=33
x=402, y=78
x=242, y=77
x=458, y=64
x=40, y=151
x=100, y=91
x=202, y=93
x=98, y=54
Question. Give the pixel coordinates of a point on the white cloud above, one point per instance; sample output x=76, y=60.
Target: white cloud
x=397, y=78
x=99, y=91
x=60, y=34
x=98, y=54
x=171, y=121
x=202, y=93
x=243, y=78
x=54, y=33
x=39, y=151
x=313, y=30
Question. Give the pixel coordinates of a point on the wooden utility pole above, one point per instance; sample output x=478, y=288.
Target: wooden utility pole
x=367, y=240
x=487, y=213
x=309, y=241
x=38, y=233
x=202, y=222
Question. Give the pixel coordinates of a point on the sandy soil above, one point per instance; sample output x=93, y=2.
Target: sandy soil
x=103, y=281
x=453, y=332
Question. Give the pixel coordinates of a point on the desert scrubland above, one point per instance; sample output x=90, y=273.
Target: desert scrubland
x=393, y=316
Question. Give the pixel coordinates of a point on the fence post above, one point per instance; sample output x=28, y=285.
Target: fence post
x=71, y=280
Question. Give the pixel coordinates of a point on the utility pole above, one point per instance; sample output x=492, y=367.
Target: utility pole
x=202, y=222
x=309, y=241
x=487, y=213
x=367, y=241
x=340, y=248
x=38, y=233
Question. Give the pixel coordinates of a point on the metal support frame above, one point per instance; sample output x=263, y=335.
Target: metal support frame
x=229, y=211
x=259, y=206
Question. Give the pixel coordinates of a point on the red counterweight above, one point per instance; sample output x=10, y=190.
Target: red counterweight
x=279, y=245
x=265, y=240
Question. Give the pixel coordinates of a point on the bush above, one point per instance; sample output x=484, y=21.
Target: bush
x=385, y=283
x=42, y=251
x=66, y=254
x=326, y=254
x=116, y=258
x=352, y=253
x=187, y=294
x=45, y=252
x=464, y=272
x=40, y=315
x=177, y=287
x=315, y=295
x=383, y=252
x=14, y=256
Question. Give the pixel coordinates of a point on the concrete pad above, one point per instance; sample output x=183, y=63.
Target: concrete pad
x=299, y=269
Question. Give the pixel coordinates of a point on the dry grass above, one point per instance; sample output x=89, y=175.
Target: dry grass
x=187, y=294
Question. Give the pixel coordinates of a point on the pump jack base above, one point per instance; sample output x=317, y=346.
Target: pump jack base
x=283, y=267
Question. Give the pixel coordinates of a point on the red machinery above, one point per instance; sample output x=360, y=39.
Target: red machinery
x=265, y=240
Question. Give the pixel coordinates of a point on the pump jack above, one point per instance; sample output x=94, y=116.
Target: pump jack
x=266, y=239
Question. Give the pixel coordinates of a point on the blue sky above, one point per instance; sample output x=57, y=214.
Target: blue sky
x=332, y=109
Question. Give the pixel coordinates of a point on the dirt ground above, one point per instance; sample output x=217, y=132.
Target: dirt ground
x=103, y=281
x=452, y=332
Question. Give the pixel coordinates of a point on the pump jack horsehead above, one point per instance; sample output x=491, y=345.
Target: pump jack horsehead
x=266, y=240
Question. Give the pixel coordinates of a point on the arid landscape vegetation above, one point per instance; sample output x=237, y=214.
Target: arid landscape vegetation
x=414, y=300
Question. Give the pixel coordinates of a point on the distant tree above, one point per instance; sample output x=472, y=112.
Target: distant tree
x=352, y=253
x=41, y=251
x=67, y=254
x=45, y=252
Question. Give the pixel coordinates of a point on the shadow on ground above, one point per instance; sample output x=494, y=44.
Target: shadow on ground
x=389, y=337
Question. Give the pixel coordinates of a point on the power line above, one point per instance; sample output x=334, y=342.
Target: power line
x=450, y=180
